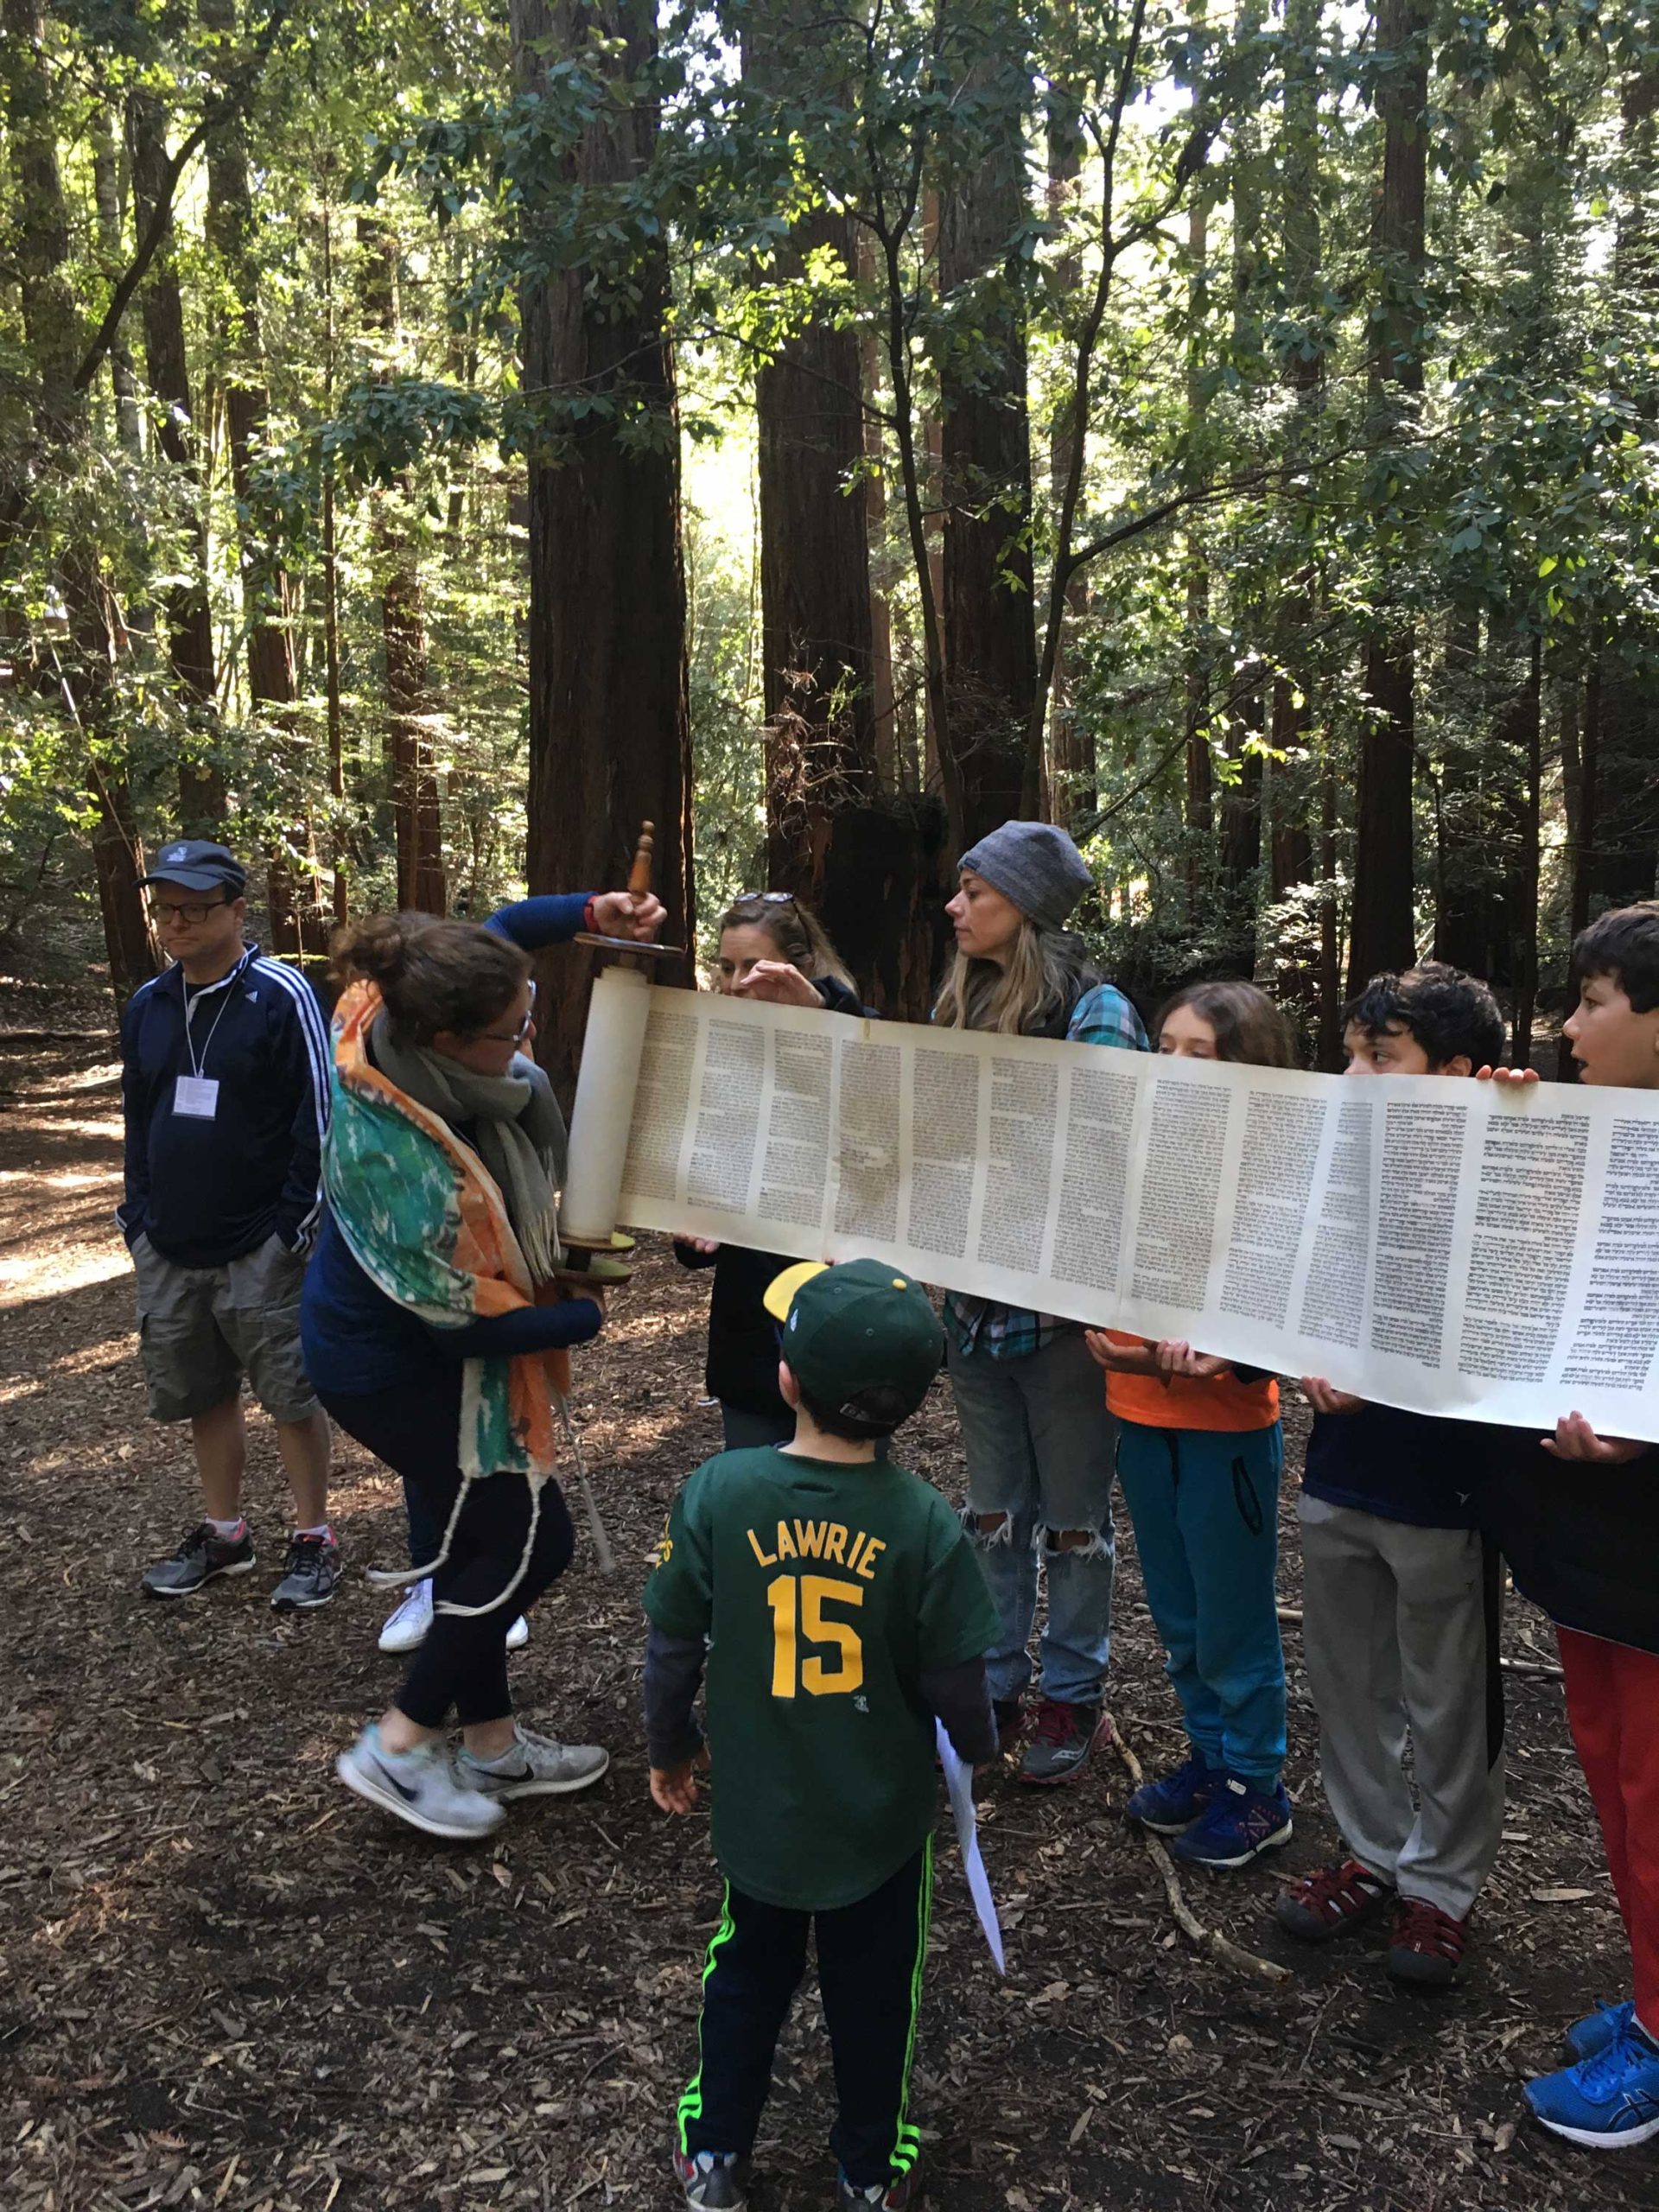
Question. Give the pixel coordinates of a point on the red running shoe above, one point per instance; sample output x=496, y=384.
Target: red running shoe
x=1332, y=1900
x=1426, y=1945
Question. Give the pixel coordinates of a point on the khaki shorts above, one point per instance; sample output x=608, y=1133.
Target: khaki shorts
x=202, y=1329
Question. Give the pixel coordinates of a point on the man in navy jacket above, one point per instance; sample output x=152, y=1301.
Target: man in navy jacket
x=225, y=1082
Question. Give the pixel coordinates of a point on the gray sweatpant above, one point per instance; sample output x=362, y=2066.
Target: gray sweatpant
x=1400, y=1630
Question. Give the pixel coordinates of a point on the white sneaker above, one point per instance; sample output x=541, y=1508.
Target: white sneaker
x=420, y=1787
x=535, y=1767
x=406, y=1628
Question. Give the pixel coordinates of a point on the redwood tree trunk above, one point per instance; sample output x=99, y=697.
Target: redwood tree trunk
x=815, y=583
x=609, y=727
x=189, y=614
x=416, y=807
x=990, y=640
x=1384, y=934
x=298, y=923
x=53, y=334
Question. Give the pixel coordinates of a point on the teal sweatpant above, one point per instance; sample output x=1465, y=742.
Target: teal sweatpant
x=1205, y=1508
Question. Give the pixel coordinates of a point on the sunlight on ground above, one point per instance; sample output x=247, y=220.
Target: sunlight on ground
x=54, y=1272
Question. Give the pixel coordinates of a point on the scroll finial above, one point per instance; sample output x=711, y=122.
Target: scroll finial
x=639, y=873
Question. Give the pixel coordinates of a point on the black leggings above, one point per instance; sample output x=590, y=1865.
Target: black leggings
x=463, y=1662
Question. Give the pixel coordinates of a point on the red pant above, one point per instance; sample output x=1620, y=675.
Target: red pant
x=1613, y=1705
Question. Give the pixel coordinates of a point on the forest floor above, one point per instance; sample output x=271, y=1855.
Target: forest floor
x=227, y=1984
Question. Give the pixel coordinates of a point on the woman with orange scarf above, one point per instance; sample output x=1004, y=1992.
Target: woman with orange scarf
x=432, y=1332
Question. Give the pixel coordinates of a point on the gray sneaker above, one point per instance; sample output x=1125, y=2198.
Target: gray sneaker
x=420, y=1787
x=535, y=1767
x=1061, y=1741
x=203, y=1554
x=310, y=1575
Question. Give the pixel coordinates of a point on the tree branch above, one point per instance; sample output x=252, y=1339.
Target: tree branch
x=162, y=214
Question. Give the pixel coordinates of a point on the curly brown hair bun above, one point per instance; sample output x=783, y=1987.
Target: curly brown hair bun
x=433, y=974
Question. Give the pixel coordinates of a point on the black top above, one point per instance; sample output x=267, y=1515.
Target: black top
x=1400, y=1466
x=1581, y=1541
x=743, y=1339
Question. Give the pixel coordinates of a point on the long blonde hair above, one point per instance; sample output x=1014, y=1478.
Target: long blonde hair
x=795, y=931
x=1039, y=983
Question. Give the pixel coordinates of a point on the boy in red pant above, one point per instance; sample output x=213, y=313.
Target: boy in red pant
x=1585, y=1547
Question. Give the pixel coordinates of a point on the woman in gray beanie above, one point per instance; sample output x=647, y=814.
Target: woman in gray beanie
x=1035, y=1430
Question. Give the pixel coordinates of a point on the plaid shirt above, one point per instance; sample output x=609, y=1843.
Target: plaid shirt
x=1101, y=1016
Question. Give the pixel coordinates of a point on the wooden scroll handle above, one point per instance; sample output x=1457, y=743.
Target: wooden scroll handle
x=643, y=852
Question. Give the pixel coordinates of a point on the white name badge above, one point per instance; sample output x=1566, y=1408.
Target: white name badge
x=196, y=1096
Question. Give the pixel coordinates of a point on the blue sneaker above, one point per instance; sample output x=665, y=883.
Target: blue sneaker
x=1610, y=2102
x=1596, y=2029
x=1174, y=1801
x=1236, y=1825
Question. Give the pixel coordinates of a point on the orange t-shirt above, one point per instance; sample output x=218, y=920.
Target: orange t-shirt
x=1213, y=1401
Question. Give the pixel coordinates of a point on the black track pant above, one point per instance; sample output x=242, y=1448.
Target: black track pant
x=870, y=1960
x=463, y=1662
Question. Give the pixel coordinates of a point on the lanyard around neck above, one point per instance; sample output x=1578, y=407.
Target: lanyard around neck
x=198, y=1061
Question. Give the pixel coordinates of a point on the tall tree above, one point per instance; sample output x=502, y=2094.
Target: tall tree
x=416, y=810
x=297, y=925
x=166, y=371
x=609, y=728
x=1383, y=932
x=990, y=646
x=817, y=642
x=55, y=335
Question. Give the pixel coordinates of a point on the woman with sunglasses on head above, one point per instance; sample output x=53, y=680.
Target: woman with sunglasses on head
x=430, y=1316
x=772, y=946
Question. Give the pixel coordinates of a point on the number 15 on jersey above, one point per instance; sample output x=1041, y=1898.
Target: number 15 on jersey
x=798, y=1616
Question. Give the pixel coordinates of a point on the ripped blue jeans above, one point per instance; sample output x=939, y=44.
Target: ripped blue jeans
x=1038, y=1443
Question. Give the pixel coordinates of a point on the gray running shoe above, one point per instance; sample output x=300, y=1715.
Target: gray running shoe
x=420, y=1787
x=1062, y=1738
x=203, y=1554
x=309, y=1573
x=535, y=1767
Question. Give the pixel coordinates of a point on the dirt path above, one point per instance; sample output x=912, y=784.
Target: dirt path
x=226, y=1983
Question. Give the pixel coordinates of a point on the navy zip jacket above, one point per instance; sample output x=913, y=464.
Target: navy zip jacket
x=204, y=1191
x=355, y=1339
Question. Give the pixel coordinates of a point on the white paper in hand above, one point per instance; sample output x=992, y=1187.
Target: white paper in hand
x=959, y=1781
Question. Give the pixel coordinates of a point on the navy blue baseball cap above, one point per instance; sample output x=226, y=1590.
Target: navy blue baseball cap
x=196, y=865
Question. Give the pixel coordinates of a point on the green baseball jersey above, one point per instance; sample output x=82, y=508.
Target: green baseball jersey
x=826, y=1592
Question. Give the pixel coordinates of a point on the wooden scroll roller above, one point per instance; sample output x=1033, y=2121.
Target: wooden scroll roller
x=610, y=1053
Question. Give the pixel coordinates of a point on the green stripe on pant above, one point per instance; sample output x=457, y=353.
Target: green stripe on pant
x=872, y=1959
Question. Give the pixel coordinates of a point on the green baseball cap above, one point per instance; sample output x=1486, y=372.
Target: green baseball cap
x=860, y=1338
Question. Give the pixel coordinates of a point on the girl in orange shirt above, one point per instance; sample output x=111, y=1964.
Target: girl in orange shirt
x=1199, y=1457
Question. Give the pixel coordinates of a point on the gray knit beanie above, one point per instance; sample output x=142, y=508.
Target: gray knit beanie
x=1035, y=866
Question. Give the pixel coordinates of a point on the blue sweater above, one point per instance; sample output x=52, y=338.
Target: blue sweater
x=206, y=1190
x=356, y=1340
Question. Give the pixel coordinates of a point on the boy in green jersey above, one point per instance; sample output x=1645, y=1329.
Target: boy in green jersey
x=838, y=1608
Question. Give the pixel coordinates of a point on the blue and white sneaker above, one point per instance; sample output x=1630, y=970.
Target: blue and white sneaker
x=421, y=1786
x=895, y=2194
x=1174, y=1801
x=714, y=2180
x=1610, y=2102
x=1596, y=2029
x=1238, y=1825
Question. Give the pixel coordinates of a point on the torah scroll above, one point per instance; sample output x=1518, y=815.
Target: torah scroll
x=1448, y=1246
